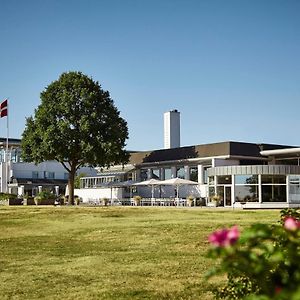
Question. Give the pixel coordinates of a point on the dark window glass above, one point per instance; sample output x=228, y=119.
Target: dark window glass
x=211, y=180
x=205, y=175
x=211, y=192
x=144, y=175
x=224, y=179
x=220, y=193
x=194, y=174
x=274, y=179
x=246, y=193
x=273, y=193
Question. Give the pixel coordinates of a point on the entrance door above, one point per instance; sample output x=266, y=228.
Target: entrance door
x=227, y=195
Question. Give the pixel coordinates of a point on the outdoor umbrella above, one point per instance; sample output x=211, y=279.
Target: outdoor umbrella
x=178, y=182
x=151, y=182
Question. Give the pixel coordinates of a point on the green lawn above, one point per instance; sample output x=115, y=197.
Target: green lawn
x=110, y=252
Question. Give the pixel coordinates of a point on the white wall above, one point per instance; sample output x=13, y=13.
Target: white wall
x=97, y=194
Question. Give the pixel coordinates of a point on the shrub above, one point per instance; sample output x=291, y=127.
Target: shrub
x=45, y=198
x=7, y=196
x=262, y=263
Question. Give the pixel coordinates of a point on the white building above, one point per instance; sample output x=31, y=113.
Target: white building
x=19, y=177
x=172, y=129
x=241, y=175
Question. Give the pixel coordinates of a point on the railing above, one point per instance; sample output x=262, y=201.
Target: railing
x=143, y=202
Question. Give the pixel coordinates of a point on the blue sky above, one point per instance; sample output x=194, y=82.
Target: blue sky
x=232, y=68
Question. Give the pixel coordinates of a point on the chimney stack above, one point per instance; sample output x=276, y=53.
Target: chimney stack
x=172, y=129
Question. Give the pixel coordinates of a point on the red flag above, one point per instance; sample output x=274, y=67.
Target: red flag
x=3, y=109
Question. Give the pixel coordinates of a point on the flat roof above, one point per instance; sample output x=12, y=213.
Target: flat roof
x=228, y=148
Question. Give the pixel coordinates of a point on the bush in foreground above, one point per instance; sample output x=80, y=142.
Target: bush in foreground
x=262, y=262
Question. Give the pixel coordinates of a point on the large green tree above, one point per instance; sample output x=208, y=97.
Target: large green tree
x=76, y=124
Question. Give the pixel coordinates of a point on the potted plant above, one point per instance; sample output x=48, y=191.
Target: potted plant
x=37, y=200
x=190, y=200
x=137, y=200
x=215, y=199
x=105, y=201
x=76, y=200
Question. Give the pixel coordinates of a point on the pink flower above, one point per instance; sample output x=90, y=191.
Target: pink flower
x=224, y=237
x=291, y=224
x=278, y=289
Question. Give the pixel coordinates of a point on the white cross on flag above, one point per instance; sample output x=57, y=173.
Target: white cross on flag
x=3, y=109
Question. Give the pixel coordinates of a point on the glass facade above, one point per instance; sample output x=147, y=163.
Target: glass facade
x=194, y=174
x=273, y=193
x=205, y=175
x=273, y=179
x=246, y=188
x=144, y=174
x=220, y=193
x=246, y=193
x=211, y=192
x=273, y=188
x=254, y=188
x=168, y=173
x=156, y=173
x=294, y=189
x=246, y=179
x=224, y=179
x=35, y=174
x=180, y=172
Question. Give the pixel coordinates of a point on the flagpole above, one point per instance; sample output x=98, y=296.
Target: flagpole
x=7, y=131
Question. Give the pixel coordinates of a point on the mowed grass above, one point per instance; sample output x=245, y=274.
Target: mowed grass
x=111, y=252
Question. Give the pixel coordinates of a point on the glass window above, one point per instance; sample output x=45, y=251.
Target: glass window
x=48, y=175
x=246, y=193
x=246, y=179
x=35, y=174
x=51, y=175
x=180, y=172
x=273, y=179
x=224, y=179
x=294, y=190
x=168, y=173
x=66, y=176
x=274, y=193
x=194, y=174
x=211, y=180
x=211, y=192
x=220, y=193
x=155, y=173
x=143, y=175
x=205, y=175
x=2, y=155
x=128, y=176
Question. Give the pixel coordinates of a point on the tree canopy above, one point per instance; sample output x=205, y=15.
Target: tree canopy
x=76, y=124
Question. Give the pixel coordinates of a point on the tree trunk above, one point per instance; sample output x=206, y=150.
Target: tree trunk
x=71, y=183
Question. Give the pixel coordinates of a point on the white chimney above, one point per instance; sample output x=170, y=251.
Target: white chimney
x=172, y=129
